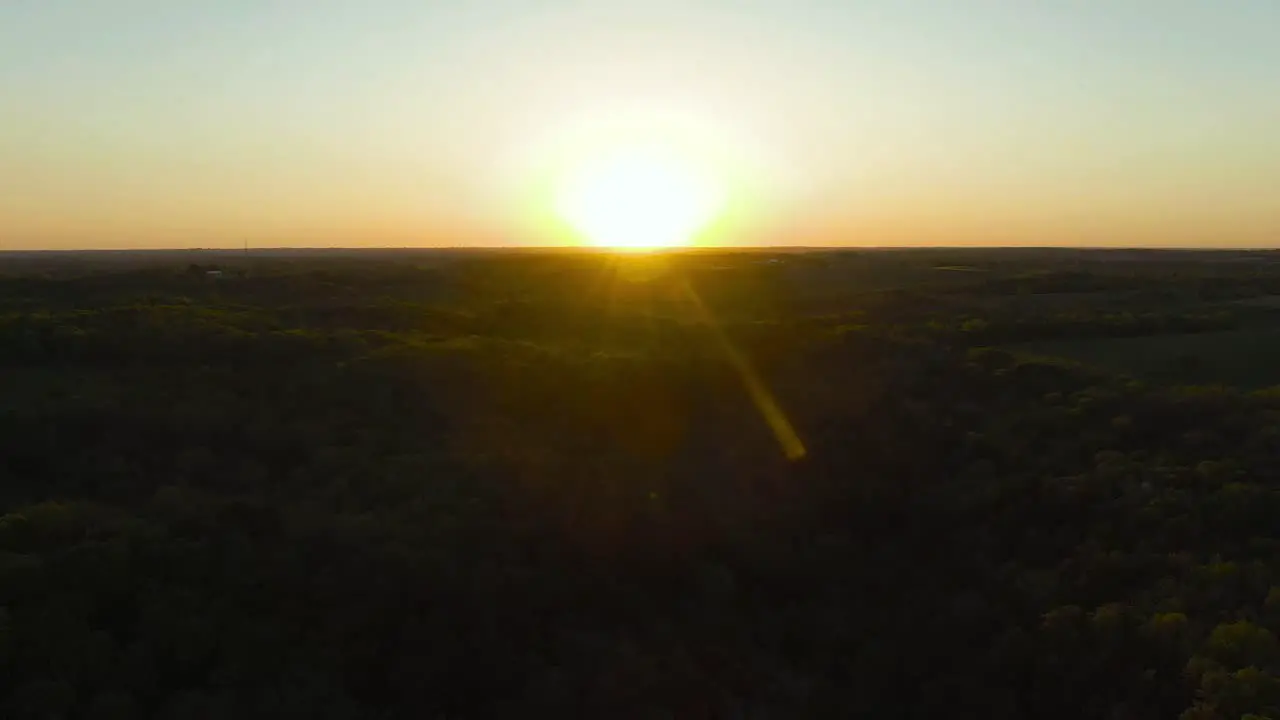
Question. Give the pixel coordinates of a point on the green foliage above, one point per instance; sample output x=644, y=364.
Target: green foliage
x=496, y=486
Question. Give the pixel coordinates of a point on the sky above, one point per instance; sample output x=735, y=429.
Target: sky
x=141, y=123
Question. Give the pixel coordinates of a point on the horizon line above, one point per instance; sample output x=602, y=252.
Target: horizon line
x=655, y=251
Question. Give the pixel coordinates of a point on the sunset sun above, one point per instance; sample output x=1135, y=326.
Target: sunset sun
x=640, y=198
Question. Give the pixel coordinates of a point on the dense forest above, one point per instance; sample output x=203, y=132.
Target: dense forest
x=915, y=484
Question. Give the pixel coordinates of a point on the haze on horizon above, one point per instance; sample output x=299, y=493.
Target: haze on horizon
x=394, y=122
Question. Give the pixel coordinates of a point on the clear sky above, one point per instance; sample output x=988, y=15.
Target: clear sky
x=141, y=123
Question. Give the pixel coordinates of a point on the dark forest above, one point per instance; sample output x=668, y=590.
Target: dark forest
x=1022, y=484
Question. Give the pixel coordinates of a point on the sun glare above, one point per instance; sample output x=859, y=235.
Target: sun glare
x=640, y=199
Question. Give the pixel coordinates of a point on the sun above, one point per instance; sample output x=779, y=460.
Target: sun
x=640, y=198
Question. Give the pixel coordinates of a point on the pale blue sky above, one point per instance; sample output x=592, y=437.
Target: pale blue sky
x=131, y=123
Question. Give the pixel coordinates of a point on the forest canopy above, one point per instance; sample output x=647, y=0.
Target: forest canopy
x=414, y=484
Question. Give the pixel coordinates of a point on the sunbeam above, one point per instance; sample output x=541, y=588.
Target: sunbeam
x=761, y=396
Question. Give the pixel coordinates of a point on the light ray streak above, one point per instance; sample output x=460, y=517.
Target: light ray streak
x=760, y=394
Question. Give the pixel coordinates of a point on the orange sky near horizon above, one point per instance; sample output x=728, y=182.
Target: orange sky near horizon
x=398, y=123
